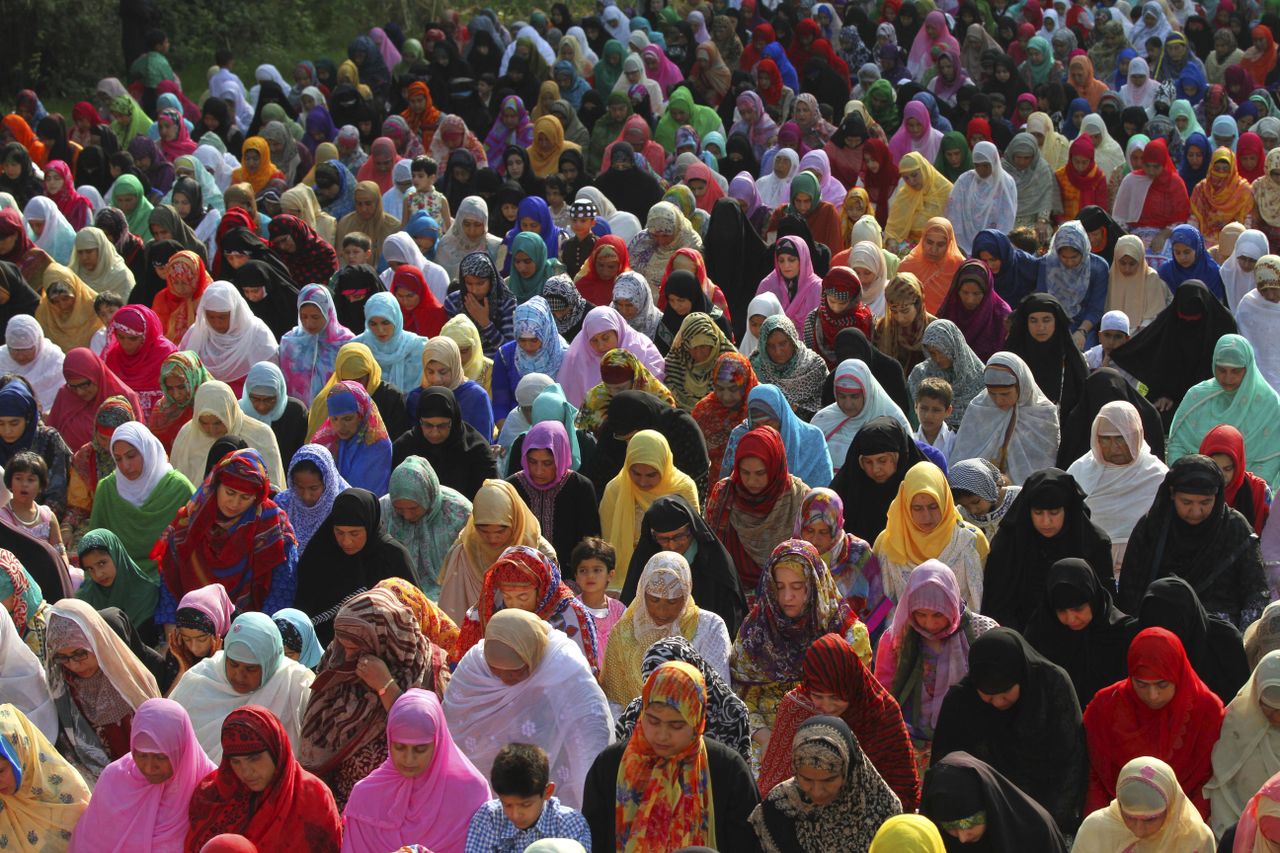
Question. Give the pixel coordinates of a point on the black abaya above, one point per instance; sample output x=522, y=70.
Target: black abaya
x=1057, y=365
x=1105, y=385
x=960, y=785
x=866, y=502
x=463, y=461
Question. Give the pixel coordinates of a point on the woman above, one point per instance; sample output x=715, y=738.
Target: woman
x=89, y=382
x=1012, y=423
x=666, y=231
x=96, y=681
x=796, y=816
x=113, y=579
x=265, y=796
x=513, y=674
x=793, y=281
x=216, y=413
x=378, y=653
x=835, y=681
x=92, y=462
x=923, y=524
x=972, y=801
x=99, y=264
x=136, y=348
x=143, y=797
x=308, y=353
x=934, y=261
x=899, y=332
x=1040, y=332
x=525, y=579
x=921, y=196
x=26, y=433
x=181, y=375
x=227, y=336
x=1222, y=197
x=41, y=363
x=45, y=795
x=784, y=362
x=356, y=437
x=1193, y=261
x=946, y=344
x=1133, y=286
x=984, y=197
x=686, y=790
x=1139, y=716
x=231, y=532
x=1147, y=791
x=693, y=355
x=537, y=347
x=266, y=399
x=842, y=307
x=449, y=782
x=424, y=516
x=177, y=304
x=398, y=352
x=725, y=406
x=549, y=486
x=475, y=365
x=467, y=234
x=66, y=311
x=460, y=455
x=1244, y=758
x=648, y=472
x=1047, y=523
x=877, y=461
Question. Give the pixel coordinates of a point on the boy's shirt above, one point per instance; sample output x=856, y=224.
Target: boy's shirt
x=943, y=442
x=1093, y=358
x=491, y=832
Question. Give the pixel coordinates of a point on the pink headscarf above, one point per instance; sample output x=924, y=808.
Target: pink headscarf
x=904, y=143
x=932, y=586
x=580, y=370
x=552, y=436
x=920, y=58
x=667, y=75
x=76, y=208
x=213, y=602
x=434, y=809
x=128, y=812
x=390, y=55
x=808, y=284
x=181, y=144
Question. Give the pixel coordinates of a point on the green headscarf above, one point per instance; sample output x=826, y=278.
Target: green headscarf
x=132, y=591
x=805, y=182
x=607, y=74
x=274, y=112
x=886, y=117
x=704, y=120
x=535, y=247
x=214, y=141
x=953, y=140
x=136, y=123
x=140, y=217
x=430, y=537
x=1040, y=73
x=409, y=54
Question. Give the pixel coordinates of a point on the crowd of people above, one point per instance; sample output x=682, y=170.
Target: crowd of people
x=777, y=427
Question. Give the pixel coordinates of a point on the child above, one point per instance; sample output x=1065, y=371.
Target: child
x=27, y=476
x=983, y=494
x=357, y=248
x=555, y=189
x=105, y=305
x=424, y=195
x=525, y=810
x=592, y=564
x=1025, y=238
x=575, y=250
x=933, y=407
x=425, y=231
x=1113, y=332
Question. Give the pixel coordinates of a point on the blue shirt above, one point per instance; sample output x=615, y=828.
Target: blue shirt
x=492, y=832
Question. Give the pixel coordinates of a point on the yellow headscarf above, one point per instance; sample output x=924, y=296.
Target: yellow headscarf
x=260, y=177
x=548, y=145
x=901, y=540
x=624, y=504
x=443, y=350
x=909, y=208
x=497, y=502
x=353, y=361
x=907, y=833
x=76, y=328
x=465, y=334
x=52, y=794
x=847, y=220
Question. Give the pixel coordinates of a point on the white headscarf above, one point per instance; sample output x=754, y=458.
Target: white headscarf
x=539, y=44
x=400, y=249
x=1139, y=96
x=229, y=355
x=1259, y=322
x=1108, y=154
x=838, y=428
x=1250, y=244
x=774, y=191
x=1248, y=751
x=44, y=372
x=978, y=203
x=155, y=462
x=22, y=679
x=867, y=255
x=1118, y=495
x=191, y=447
x=763, y=305
x=58, y=239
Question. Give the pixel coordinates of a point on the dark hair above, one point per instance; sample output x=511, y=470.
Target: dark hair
x=305, y=466
x=554, y=180
x=935, y=388
x=105, y=298
x=154, y=38
x=424, y=164
x=358, y=238
x=593, y=548
x=222, y=56
x=520, y=770
x=30, y=462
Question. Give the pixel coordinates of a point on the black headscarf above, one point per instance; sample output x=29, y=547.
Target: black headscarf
x=684, y=284
x=156, y=255
x=463, y=461
x=352, y=290
x=1038, y=742
x=279, y=308
x=456, y=190
x=630, y=411
x=1220, y=557
x=1175, y=351
x=1021, y=557
x=737, y=259
x=1105, y=385
x=1094, y=218
x=716, y=586
x=190, y=189
x=866, y=502
x=853, y=343
x=92, y=169
x=24, y=187
x=220, y=448
x=1214, y=646
x=1094, y=656
x=21, y=298
x=631, y=189
x=739, y=156
x=328, y=576
x=118, y=621
x=269, y=92
x=224, y=126
x=166, y=216
x=958, y=786
x=1057, y=365
x=509, y=193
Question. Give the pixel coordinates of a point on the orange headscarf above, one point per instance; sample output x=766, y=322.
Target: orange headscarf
x=426, y=123
x=1260, y=64
x=935, y=276
x=22, y=133
x=178, y=313
x=266, y=171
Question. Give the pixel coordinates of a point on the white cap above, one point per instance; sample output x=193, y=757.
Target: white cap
x=1115, y=321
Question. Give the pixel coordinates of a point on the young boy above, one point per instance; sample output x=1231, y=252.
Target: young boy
x=105, y=305
x=1113, y=332
x=592, y=564
x=525, y=810
x=575, y=250
x=27, y=477
x=933, y=407
x=424, y=195
x=357, y=248
x=555, y=189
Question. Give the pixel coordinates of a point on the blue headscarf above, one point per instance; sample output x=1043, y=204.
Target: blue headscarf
x=936, y=118
x=1018, y=272
x=577, y=87
x=401, y=356
x=8, y=754
x=1069, y=128
x=551, y=405
x=1190, y=176
x=345, y=202
x=307, y=519
x=534, y=319
x=1192, y=83
x=1119, y=79
x=298, y=624
x=365, y=458
x=1224, y=125
x=778, y=54
x=16, y=402
x=264, y=375
x=255, y=639
x=807, y=454
x=1204, y=269
x=535, y=208
x=421, y=224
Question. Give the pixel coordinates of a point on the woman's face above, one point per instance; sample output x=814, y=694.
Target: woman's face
x=780, y=347
x=644, y=477
x=603, y=342
x=232, y=503
x=925, y=512
x=820, y=535
x=100, y=568
x=525, y=265
x=792, y=590
x=382, y=328
x=212, y=426
x=914, y=179
x=82, y=663
x=53, y=183
x=788, y=266
x=904, y=313
x=130, y=343
x=257, y=771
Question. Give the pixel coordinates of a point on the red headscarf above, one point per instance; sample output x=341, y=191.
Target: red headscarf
x=1082, y=189
x=1252, y=500
x=235, y=217
x=76, y=208
x=295, y=811
x=1167, y=201
x=88, y=112
x=1260, y=64
x=73, y=417
x=312, y=259
x=597, y=290
x=983, y=327
x=429, y=316
x=798, y=53
x=11, y=223
x=978, y=127
x=880, y=185
x=381, y=147
x=140, y=371
x=715, y=420
x=763, y=443
x=1121, y=727
x=1251, y=143
x=702, y=172
x=772, y=93
x=425, y=123
x=761, y=37
x=845, y=280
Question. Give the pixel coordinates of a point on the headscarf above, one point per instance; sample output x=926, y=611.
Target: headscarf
x=1141, y=297
x=800, y=297
x=133, y=591
x=50, y=795
x=365, y=458
x=580, y=370
x=927, y=144
x=306, y=520
x=401, y=355
x=229, y=355
x=76, y=327
x=140, y=371
x=909, y=208
x=309, y=360
x=73, y=417
x=428, y=539
x=496, y=502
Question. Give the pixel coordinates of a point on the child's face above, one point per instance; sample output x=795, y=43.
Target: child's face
x=25, y=485
x=931, y=413
x=422, y=182
x=582, y=227
x=554, y=197
x=509, y=211
x=106, y=313
x=352, y=255
x=523, y=811
x=1111, y=339
x=592, y=575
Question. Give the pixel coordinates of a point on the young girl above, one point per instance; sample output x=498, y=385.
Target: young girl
x=593, y=563
x=26, y=476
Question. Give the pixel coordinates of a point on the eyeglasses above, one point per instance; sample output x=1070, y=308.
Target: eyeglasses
x=664, y=540
x=78, y=656
x=79, y=386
